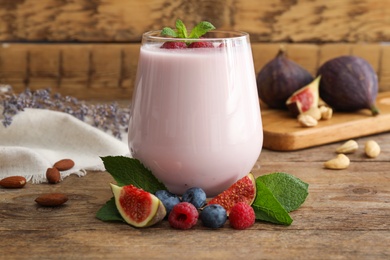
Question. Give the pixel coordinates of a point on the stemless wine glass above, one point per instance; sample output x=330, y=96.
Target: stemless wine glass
x=195, y=117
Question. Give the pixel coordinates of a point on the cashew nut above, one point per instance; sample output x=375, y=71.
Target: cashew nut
x=372, y=149
x=326, y=112
x=348, y=147
x=314, y=112
x=338, y=163
x=307, y=120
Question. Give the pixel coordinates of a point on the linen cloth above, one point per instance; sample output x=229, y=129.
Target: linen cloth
x=37, y=138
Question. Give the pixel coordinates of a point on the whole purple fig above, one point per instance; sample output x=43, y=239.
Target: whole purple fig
x=349, y=83
x=279, y=79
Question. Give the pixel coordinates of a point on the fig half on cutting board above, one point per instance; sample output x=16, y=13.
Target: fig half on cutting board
x=349, y=83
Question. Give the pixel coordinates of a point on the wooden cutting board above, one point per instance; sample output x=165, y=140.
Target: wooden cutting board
x=282, y=132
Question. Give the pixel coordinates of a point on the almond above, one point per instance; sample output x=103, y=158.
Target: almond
x=13, y=182
x=51, y=199
x=64, y=164
x=53, y=175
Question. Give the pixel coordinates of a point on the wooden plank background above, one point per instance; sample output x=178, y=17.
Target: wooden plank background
x=89, y=49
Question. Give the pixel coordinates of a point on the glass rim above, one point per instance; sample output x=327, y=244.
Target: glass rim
x=230, y=35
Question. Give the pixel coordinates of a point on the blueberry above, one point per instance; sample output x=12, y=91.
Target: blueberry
x=213, y=216
x=168, y=199
x=196, y=196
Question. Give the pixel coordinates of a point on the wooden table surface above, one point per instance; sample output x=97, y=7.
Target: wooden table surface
x=346, y=216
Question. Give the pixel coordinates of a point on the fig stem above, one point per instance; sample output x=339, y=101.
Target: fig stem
x=374, y=110
x=282, y=50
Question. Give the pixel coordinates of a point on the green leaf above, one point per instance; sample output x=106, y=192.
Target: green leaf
x=267, y=207
x=109, y=212
x=166, y=31
x=290, y=191
x=126, y=170
x=181, y=29
x=200, y=29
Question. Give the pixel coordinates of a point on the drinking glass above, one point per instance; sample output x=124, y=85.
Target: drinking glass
x=195, y=116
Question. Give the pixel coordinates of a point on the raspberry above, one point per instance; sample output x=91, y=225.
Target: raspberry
x=184, y=215
x=174, y=45
x=196, y=196
x=201, y=45
x=241, y=216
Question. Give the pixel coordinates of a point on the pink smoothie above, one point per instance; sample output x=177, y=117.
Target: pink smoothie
x=195, y=117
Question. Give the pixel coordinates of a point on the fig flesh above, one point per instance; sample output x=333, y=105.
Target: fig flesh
x=244, y=190
x=137, y=207
x=349, y=83
x=305, y=98
x=279, y=79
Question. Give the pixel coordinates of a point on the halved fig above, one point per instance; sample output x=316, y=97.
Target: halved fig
x=244, y=190
x=304, y=98
x=138, y=208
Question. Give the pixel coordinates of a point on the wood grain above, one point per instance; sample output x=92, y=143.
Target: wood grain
x=299, y=21
x=89, y=49
x=344, y=217
x=107, y=71
x=86, y=71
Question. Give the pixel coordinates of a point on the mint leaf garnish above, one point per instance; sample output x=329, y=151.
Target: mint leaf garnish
x=290, y=191
x=277, y=194
x=267, y=207
x=109, y=212
x=127, y=171
x=201, y=29
x=181, y=29
x=166, y=31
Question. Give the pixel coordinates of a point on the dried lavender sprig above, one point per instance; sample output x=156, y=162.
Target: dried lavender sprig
x=107, y=117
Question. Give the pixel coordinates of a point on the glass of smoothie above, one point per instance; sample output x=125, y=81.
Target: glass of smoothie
x=195, y=117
